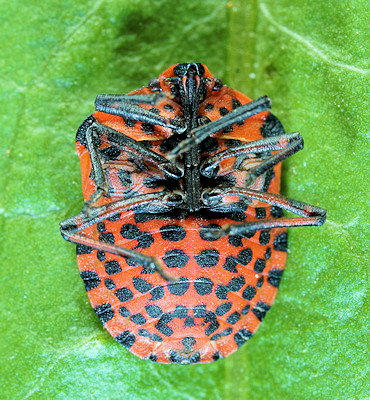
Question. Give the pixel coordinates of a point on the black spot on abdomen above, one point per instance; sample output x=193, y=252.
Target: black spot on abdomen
x=173, y=233
x=281, y=242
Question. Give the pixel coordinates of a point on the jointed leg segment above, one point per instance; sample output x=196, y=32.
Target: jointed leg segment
x=123, y=142
x=70, y=228
x=92, y=213
x=240, y=114
x=310, y=215
x=286, y=145
x=126, y=106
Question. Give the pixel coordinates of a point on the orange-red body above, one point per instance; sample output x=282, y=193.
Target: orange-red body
x=189, y=314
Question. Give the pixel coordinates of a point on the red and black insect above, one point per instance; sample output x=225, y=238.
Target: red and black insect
x=182, y=240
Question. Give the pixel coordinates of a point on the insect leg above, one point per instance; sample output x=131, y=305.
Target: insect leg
x=126, y=107
x=71, y=227
x=238, y=115
x=310, y=215
x=115, y=100
x=286, y=145
x=92, y=214
x=97, y=169
x=119, y=139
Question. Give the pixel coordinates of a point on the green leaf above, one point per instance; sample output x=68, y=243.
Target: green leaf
x=309, y=57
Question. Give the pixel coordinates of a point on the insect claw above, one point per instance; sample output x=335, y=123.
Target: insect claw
x=172, y=171
x=174, y=199
x=67, y=226
x=321, y=219
x=210, y=171
x=212, y=197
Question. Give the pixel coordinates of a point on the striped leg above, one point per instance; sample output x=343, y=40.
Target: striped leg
x=309, y=215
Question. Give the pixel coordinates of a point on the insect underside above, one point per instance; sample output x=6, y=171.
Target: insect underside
x=195, y=187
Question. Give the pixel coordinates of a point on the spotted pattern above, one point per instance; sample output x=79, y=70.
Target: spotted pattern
x=124, y=312
x=203, y=286
x=124, y=294
x=173, y=233
x=223, y=308
x=157, y=293
x=264, y=238
x=224, y=286
x=179, y=287
x=112, y=267
x=126, y=339
x=107, y=237
x=208, y=258
x=249, y=292
x=138, y=319
x=82, y=249
x=153, y=310
x=260, y=310
x=109, y=283
x=259, y=265
x=176, y=258
x=104, y=312
x=91, y=279
x=280, y=242
x=130, y=231
x=274, y=277
x=141, y=285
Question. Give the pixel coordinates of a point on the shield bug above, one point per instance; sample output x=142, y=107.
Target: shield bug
x=181, y=242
